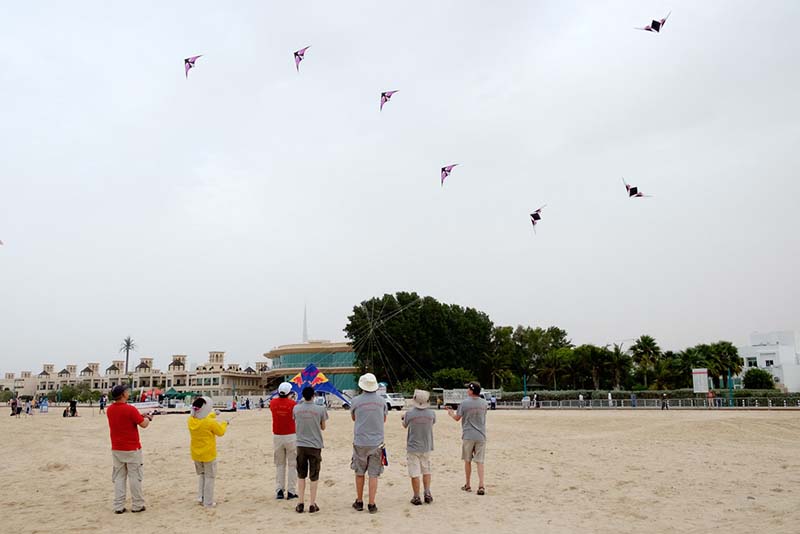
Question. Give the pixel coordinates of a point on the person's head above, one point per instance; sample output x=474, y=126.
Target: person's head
x=284, y=389
x=308, y=393
x=120, y=393
x=201, y=407
x=367, y=382
x=474, y=389
x=420, y=399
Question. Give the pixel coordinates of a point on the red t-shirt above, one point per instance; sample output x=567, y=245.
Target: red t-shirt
x=123, y=423
x=282, y=419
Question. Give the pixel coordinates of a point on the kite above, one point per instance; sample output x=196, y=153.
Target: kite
x=446, y=171
x=633, y=191
x=656, y=25
x=536, y=216
x=313, y=377
x=385, y=97
x=188, y=63
x=299, y=56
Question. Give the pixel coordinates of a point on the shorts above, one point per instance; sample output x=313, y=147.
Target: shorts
x=473, y=451
x=308, y=461
x=367, y=460
x=419, y=463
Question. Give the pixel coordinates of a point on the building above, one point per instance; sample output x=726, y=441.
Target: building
x=777, y=353
x=335, y=360
x=24, y=385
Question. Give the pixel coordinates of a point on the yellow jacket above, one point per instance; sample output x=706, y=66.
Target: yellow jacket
x=203, y=433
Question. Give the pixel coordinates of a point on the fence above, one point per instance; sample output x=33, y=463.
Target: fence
x=599, y=404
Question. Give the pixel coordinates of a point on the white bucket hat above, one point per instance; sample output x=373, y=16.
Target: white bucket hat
x=368, y=382
x=202, y=412
x=420, y=399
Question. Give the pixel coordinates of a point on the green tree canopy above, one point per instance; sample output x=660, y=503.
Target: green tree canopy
x=756, y=378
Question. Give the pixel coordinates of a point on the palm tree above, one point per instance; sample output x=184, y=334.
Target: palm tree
x=495, y=365
x=729, y=359
x=645, y=351
x=713, y=362
x=551, y=365
x=619, y=363
x=127, y=345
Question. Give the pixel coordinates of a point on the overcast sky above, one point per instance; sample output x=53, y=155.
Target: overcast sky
x=201, y=214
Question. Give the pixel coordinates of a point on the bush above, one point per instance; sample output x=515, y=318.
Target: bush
x=407, y=387
x=758, y=379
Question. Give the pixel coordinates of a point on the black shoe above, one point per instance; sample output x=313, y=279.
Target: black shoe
x=120, y=511
x=428, y=498
x=373, y=508
x=142, y=509
x=279, y=495
x=359, y=506
x=290, y=496
x=299, y=508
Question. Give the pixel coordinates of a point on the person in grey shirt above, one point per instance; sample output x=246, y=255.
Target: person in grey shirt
x=368, y=410
x=472, y=414
x=309, y=419
x=419, y=421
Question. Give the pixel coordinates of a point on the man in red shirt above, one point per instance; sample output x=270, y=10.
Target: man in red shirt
x=283, y=442
x=126, y=451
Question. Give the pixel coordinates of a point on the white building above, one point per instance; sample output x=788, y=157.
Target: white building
x=777, y=353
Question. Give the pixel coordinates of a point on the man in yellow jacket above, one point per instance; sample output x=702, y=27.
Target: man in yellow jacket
x=204, y=429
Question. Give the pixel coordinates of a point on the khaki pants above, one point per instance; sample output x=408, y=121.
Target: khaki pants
x=285, y=455
x=206, y=472
x=128, y=468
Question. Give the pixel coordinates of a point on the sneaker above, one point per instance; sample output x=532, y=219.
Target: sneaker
x=212, y=505
x=279, y=495
x=359, y=506
x=373, y=508
x=142, y=509
x=299, y=508
x=120, y=511
x=290, y=496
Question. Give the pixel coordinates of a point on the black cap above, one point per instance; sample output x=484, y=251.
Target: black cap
x=117, y=391
x=474, y=387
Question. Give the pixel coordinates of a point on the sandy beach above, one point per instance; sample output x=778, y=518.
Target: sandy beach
x=547, y=471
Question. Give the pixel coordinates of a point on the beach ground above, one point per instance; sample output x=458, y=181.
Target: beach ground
x=609, y=471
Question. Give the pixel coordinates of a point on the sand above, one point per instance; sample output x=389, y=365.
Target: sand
x=547, y=471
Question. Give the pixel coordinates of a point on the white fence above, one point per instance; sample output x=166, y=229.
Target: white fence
x=599, y=404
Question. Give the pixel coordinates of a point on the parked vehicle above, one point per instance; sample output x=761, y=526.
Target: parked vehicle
x=394, y=400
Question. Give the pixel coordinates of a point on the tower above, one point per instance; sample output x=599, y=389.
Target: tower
x=305, y=324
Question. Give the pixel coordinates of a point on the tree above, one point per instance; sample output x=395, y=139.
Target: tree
x=756, y=378
x=452, y=378
x=128, y=346
x=729, y=359
x=551, y=365
x=619, y=363
x=645, y=351
x=496, y=362
x=595, y=359
x=533, y=344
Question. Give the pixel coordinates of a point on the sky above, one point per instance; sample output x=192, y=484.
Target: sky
x=204, y=213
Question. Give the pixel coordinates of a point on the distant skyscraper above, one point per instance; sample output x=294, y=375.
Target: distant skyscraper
x=305, y=325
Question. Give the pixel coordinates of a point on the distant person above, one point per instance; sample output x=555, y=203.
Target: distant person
x=28, y=407
x=310, y=420
x=284, y=448
x=633, y=400
x=247, y=403
x=103, y=401
x=535, y=400
x=73, y=408
x=610, y=400
x=664, y=402
x=580, y=400
x=368, y=411
x=204, y=429
x=493, y=401
x=126, y=450
x=14, y=404
x=472, y=414
x=419, y=421
x=710, y=397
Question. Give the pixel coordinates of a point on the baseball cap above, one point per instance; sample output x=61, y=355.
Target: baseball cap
x=284, y=389
x=118, y=390
x=474, y=387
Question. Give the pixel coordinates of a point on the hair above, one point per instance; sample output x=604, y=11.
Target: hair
x=199, y=403
x=308, y=393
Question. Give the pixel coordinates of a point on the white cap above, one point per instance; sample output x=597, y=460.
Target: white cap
x=285, y=388
x=368, y=382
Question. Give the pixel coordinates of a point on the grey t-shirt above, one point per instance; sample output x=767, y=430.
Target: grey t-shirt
x=473, y=418
x=419, y=422
x=369, y=410
x=307, y=417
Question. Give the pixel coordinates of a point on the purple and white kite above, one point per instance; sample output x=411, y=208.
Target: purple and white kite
x=536, y=216
x=633, y=191
x=446, y=171
x=188, y=63
x=300, y=56
x=385, y=97
x=656, y=25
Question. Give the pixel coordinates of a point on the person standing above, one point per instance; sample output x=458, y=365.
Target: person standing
x=14, y=404
x=310, y=420
x=419, y=421
x=633, y=400
x=126, y=450
x=204, y=429
x=472, y=414
x=103, y=401
x=610, y=400
x=664, y=402
x=580, y=400
x=368, y=411
x=283, y=443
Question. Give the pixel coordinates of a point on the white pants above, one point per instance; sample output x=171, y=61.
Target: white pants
x=285, y=455
x=206, y=473
x=128, y=468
